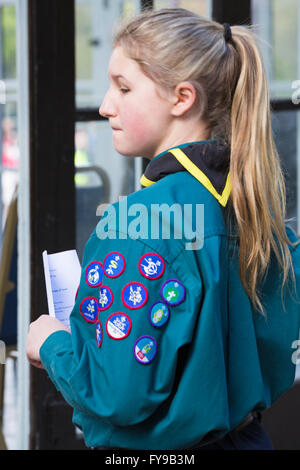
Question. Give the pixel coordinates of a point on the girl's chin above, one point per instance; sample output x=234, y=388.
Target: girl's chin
x=127, y=152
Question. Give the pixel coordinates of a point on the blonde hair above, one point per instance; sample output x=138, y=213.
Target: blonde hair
x=173, y=45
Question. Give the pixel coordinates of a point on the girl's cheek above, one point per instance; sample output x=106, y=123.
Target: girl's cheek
x=138, y=125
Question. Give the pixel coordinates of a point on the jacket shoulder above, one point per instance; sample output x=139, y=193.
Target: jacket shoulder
x=181, y=194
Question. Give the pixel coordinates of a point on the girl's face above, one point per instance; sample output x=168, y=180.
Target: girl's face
x=138, y=115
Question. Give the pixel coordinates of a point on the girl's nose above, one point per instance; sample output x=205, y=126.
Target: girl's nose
x=107, y=109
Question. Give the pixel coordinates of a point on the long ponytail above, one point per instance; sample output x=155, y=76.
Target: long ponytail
x=258, y=192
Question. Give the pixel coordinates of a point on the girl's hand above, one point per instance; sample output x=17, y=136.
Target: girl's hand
x=39, y=331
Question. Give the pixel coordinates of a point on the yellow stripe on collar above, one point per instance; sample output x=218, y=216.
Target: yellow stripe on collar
x=200, y=176
x=145, y=181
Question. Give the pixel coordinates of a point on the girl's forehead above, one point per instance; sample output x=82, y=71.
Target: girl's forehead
x=120, y=63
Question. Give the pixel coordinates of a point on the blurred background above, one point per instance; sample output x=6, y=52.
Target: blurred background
x=58, y=164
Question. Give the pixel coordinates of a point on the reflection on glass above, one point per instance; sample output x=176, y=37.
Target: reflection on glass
x=94, y=24
x=8, y=108
x=201, y=7
x=9, y=177
x=277, y=24
x=285, y=30
x=83, y=15
x=8, y=28
x=102, y=176
x=286, y=130
x=10, y=162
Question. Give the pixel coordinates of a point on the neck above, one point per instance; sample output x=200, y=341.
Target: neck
x=180, y=133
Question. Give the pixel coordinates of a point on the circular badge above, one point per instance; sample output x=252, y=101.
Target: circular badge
x=159, y=314
x=89, y=309
x=106, y=297
x=172, y=292
x=118, y=325
x=99, y=334
x=94, y=274
x=151, y=266
x=145, y=349
x=134, y=295
x=114, y=264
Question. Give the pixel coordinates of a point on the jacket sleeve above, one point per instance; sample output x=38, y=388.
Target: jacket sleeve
x=120, y=364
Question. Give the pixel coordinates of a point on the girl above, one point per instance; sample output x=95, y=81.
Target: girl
x=180, y=334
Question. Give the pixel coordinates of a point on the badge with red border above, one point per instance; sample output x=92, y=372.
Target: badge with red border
x=151, y=266
x=134, y=295
x=118, y=325
x=106, y=298
x=94, y=274
x=114, y=264
x=99, y=333
x=89, y=309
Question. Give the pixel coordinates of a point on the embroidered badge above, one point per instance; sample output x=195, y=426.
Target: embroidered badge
x=99, y=333
x=114, y=264
x=159, y=314
x=94, y=274
x=134, y=295
x=89, y=309
x=145, y=349
x=151, y=266
x=118, y=325
x=106, y=297
x=172, y=292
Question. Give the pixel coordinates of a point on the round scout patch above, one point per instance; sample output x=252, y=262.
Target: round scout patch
x=134, y=295
x=145, y=349
x=106, y=297
x=94, y=274
x=99, y=334
x=151, y=266
x=89, y=309
x=114, y=264
x=159, y=314
x=173, y=292
x=118, y=325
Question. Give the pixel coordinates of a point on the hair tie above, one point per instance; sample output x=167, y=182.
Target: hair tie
x=227, y=33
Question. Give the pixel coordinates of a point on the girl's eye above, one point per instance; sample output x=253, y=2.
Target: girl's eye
x=124, y=90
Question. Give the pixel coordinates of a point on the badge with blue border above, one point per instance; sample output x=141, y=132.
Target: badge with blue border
x=159, y=314
x=173, y=292
x=114, y=264
x=89, y=309
x=145, y=349
x=134, y=295
x=94, y=274
x=99, y=333
x=106, y=298
x=118, y=325
x=151, y=266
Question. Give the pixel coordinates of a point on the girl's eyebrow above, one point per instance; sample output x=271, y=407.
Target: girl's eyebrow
x=116, y=76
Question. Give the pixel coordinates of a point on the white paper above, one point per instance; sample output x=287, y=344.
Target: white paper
x=62, y=276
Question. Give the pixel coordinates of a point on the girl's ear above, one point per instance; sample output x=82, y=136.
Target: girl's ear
x=184, y=97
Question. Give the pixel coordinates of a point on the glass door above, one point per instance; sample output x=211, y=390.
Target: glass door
x=102, y=175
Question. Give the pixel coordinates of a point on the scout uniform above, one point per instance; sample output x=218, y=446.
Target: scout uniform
x=166, y=350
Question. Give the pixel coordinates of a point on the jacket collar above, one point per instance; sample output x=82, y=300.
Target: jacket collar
x=208, y=161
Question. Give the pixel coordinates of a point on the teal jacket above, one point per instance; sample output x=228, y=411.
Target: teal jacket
x=166, y=350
